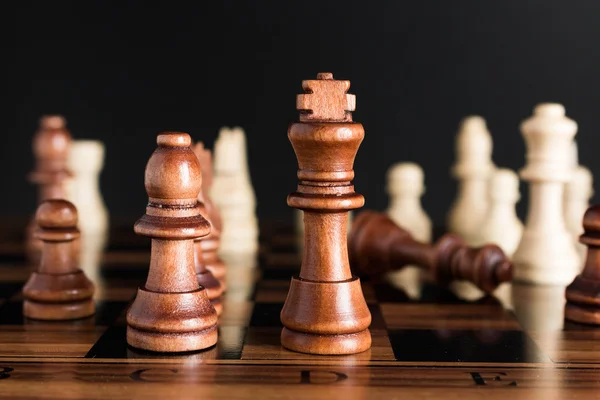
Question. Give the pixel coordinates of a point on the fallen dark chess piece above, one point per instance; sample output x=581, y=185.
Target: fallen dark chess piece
x=377, y=245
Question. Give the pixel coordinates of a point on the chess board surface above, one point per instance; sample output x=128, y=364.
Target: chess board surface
x=438, y=346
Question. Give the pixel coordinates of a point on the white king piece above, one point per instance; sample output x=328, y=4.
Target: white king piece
x=546, y=253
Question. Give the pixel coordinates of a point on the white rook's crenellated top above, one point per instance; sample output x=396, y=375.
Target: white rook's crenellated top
x=548, y=136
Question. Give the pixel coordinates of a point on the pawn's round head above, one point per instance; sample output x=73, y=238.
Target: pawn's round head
x=406, y=177
x=52, y=143
x=52, y=122
x=551, y=110
x=173, y=172
x=591, y=220
x=56, y=213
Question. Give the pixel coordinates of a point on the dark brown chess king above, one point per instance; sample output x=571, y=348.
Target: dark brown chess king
x=172, y=312
x=325, y=311
x=583, y=295
x=378, y=245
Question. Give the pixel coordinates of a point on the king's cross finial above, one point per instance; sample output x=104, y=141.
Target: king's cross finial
x=325, y=99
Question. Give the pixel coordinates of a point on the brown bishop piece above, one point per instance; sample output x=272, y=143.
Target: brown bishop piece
x=58, y=290
x=172, y=312
x=378, y=245
x=210, y=243
x=583, y=295
x=51, y=149
x=325, y=311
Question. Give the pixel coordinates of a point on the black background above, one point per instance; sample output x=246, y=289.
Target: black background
x=122, y=73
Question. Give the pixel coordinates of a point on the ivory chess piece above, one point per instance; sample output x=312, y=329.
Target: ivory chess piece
x=51, y=148
x=58, y=290
x=583, y=294
x=578, y=192
x=473, y=170
x=172, y=312
x=501, y=225
x=210, y=243
x=85, y=161
x=378, y=245
x=325, y=311
x=546, y=253
x=405, y=186
x=233, y=195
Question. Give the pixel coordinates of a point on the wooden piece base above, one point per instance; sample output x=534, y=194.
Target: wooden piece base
x=171, y=342
x=214, y=290
x=583, y=301
x=58, y=311
x=56, y=297
x=171, y=322
x=326, y=317
x=326, y=344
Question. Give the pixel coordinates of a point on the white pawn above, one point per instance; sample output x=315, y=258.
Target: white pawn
x=546, y=253
x=501, y=225
x=233, y=194
x=86, y=161
x=473, y=169
x=405, y=186
x=578, y=192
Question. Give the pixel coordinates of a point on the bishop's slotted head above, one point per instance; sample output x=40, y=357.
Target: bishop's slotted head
x=583, y=295
x=172, y=312
x=325, y=311
x=58, y=290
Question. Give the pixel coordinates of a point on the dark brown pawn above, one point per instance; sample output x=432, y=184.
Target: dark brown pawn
x=210, y=243
x=583, y=295
x=325, y=311
x=59, y=290
x=378, y=245
x=51, y=149
x=205, y=277
x=172, y=312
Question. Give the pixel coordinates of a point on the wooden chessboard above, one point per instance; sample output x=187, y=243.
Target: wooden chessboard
x=439, y=346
